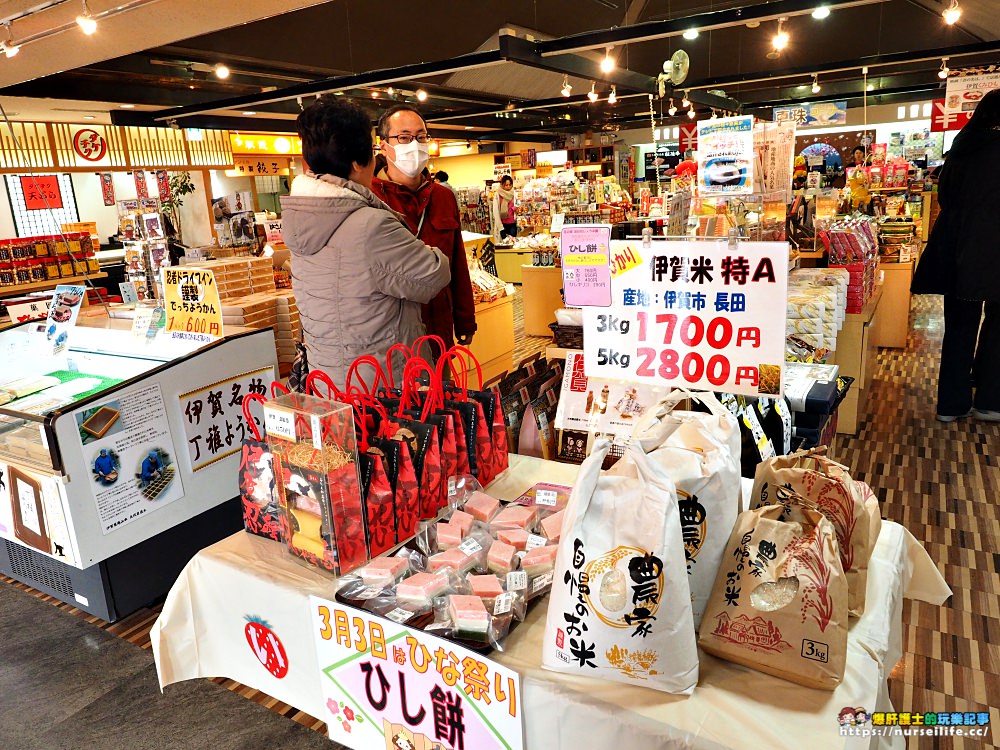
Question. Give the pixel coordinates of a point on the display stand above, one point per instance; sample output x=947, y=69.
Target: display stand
x=541, y=288
x=493, y=343
x=894, y=316
x=857, y=354
x=732, y=707
x=510, y=260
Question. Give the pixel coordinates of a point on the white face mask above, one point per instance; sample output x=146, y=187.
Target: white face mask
x=411, y=158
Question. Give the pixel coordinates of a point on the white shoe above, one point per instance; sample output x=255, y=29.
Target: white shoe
x=985, y=415
x=955, y=417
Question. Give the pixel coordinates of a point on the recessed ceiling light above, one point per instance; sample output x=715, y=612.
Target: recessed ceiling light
x=88, y=117
x=126, y=106
x=821, y=12
x=249, y=114
x=421, y=95
x=691, y=34
x=222, y=71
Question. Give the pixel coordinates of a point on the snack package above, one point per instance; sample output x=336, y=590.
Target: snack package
x=779, y=604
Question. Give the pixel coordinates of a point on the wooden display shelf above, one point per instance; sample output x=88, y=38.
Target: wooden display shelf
x=37, y=286
x=541, y=287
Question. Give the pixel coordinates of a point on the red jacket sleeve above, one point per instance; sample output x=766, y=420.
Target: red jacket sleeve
x=461, y=289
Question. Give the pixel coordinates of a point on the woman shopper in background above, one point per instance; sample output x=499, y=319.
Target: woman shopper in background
x=503, y=207
x=359, y=275
x=962, y=262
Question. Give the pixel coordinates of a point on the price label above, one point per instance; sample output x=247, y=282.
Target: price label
x=452, y=488
x=470, y=547
x=517, y=580
x=546, y=497
x=370, y=592
x=534, y=540
x=317, y=431
x=279, y=423
x=503, y=603
x=399, y=615
x=541, y=582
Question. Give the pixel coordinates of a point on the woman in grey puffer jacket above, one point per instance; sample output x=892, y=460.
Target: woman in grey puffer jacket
x=358, y=274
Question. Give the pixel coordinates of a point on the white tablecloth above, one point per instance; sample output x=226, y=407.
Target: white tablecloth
x=200, y=633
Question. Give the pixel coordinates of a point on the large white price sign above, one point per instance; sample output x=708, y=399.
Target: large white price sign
x=726, y=156
x=698, y=314
x=966, y=88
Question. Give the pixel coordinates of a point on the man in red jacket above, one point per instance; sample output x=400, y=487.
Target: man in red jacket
x=431, y=213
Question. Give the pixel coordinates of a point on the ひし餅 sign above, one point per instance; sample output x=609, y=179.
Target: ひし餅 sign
x=382, y=680
x=698, y=314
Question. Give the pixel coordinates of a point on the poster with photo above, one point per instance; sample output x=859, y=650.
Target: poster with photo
x=132, y=459
x=726, y=156
x=63, y=311
x=31, y=512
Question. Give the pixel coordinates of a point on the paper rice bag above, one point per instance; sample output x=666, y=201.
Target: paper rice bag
x=849, y=505
x=779, y=604
x=700, y=452
x=620, y=605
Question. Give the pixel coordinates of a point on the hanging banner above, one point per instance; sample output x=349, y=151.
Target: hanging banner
x=141, y=189
x=108, y=188
x=163, y=184
x=41, y=192
x=699, y=314
x=725, y=156
x=774, y=145
x=813, y=114
x=193, y=308
x=942, y=120
x=687, y=139
x=966, y=87
x=391, y=686
x=586, y=264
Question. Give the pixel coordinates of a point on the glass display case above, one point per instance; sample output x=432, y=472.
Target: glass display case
x=113, y=443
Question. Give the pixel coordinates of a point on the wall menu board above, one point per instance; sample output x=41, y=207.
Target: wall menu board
x=699, y=314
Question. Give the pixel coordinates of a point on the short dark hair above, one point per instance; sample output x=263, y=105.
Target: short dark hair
x=506, y=178
x=441, y=176
x=335, y=133
x=383, y=120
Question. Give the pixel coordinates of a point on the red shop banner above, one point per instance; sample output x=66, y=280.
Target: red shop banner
x=141, y=190
x=163, y=184
x=41, y=192
x=108, y=188
x=942, y=120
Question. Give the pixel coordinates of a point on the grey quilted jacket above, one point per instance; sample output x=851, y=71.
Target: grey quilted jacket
x=358, y=274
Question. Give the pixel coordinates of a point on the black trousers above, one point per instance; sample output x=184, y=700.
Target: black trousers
x=970, y=357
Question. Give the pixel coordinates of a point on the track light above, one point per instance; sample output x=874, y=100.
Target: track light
x=685, y=102
x=592, y=94
x=780, y=40
x=222, y=71
x=691, y=113
x=691, y=34
x=672, y=109
x=821, y=12
x=952, y=13
x=613, y=96
x=8, y=46
x=945, y=70
x=86, y=21
x=816, y=87
x=566, y=88
x=715, y=115
x=421, y=95
x=870, y=87
x=608, y=63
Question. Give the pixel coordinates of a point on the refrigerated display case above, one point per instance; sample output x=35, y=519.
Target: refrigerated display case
x=119, y=457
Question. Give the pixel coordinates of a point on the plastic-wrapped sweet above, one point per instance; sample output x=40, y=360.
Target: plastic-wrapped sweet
x=481, y=506
x=539, y=560
x=515, y=517
x=463, y=520
x=516, y=538
x=449, y=535
x=469, y=616
x=552, y=526
x=502, y=558
x=421, y=588
x=455, y=559
x=486, y=586
x=383, y=571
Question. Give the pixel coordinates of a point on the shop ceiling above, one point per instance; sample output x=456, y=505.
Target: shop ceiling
x=481, y=83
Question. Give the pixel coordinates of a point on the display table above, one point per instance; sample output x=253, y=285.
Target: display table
x=200, y=633
x=894, y=311
x=541, y=287
x=510, y=261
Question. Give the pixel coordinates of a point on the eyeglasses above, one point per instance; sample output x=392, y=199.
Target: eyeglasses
x=404, y=138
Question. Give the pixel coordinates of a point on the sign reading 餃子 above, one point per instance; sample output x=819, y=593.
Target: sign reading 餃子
x=586, y=264
x=700, y=314
x=965, y=89
x=192, y=304
x=725, y=156
x=391, y=686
